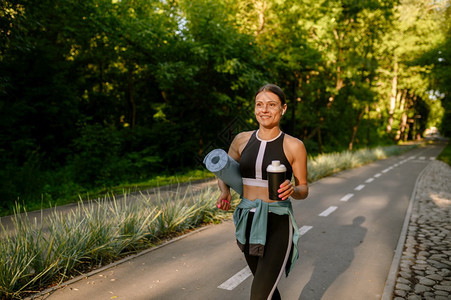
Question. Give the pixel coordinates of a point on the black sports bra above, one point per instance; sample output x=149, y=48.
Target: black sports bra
x=256, y=157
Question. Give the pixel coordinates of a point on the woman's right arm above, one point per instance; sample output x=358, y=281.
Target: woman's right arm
x=225, y=198
x=240, y=139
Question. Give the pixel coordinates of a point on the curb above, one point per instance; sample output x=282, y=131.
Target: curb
x=392, y=274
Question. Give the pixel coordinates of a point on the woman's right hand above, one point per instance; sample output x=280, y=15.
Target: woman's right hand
x=224, y=201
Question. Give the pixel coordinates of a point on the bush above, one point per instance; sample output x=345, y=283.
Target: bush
x=97, y=233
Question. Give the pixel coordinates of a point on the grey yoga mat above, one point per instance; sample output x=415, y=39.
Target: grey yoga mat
x=225, y=168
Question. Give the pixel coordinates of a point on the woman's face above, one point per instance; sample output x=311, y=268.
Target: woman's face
x=268, y=109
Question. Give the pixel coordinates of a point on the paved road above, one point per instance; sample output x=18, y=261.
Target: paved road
x=351, y=224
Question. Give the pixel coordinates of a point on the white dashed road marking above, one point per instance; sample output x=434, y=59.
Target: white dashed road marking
x=359, y=187
x=303, y=230
x=347, y=197
x=236, y=279
x=328, y=211
x=386, y=170
x=369, y=180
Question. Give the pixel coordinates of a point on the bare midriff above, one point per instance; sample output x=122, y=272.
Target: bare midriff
x=256, y=192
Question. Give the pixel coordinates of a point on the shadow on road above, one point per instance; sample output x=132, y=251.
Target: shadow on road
x=333, y=261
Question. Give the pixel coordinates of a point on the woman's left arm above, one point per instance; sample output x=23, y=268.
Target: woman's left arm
x=297, y=155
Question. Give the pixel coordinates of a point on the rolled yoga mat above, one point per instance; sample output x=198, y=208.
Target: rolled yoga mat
x=225, y=168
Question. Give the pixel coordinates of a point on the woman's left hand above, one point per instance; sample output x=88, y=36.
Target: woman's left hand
x=285, y=190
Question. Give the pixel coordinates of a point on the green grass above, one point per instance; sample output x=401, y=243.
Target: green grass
x=159, y=181
x=445, y=155
x=78, y=192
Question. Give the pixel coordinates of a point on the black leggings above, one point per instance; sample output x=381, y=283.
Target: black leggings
x=268, y=270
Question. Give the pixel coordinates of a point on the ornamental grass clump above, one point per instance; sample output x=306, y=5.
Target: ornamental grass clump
x=41, y=253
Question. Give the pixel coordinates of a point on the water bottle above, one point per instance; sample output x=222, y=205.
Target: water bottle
x=276, y=176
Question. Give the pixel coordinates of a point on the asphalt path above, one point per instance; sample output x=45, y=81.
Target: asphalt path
x=350, y=226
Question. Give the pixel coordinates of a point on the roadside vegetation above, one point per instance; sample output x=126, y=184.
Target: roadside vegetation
x=445, y=155
x=63, y=245
x=72, y=192
x=327, y=164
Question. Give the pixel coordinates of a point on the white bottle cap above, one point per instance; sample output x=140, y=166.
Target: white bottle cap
x=276, y=167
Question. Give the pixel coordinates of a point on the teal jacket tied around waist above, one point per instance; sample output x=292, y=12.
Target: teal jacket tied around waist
x=257, y=237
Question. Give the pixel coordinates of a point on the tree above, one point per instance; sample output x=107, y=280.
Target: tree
x=414, y=33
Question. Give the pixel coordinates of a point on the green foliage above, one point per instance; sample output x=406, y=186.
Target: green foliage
x=107, y=156
x=445, y=155
x=439, y=58
x=95, y=94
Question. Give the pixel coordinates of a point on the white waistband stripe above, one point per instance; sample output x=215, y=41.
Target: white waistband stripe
x=255, y=182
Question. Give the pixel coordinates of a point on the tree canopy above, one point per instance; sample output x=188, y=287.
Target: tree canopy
x=98, y=92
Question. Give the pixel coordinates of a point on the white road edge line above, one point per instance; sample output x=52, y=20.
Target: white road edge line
x=328, y=211
x=347, y=197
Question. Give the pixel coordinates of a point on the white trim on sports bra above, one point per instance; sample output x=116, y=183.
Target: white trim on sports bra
x=256, y=135
x=255, y=182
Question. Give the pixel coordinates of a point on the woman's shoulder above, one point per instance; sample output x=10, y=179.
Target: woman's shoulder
x=238, y=144
x=244, y=136
x=293, y=143
x=292, y=140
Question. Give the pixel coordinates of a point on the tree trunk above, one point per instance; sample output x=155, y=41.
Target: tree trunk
x=320, y=141
x=406, y=131
x=355, y=128
x=313, y=132
x=402, y=127
x=368, y=124
x=131, y=97
x=261, y=8
x=293, y=109
x=394, y=88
